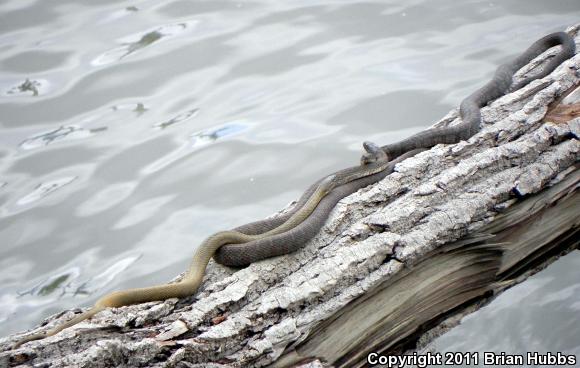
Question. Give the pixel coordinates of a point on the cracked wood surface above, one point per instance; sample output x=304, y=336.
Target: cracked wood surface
x=331, y=298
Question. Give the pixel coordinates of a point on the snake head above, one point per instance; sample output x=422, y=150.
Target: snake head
x=373, y=153
x=327, y=184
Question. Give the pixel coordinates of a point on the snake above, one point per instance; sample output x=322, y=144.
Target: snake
x=288, y=232
x=470, y=107
x=237, y=255
x=193, y=277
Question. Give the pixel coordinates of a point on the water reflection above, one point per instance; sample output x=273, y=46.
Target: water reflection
x=177, y=119
x=103, y=279
x=26, y=86
x=139, y=108
x=60, y=282
x=30, y=87
x=142, y=211
x=44, y=189
x=212, y=135
x=61, y=133
x=106, y=198
x=197, y=141
x=68, y=282
x=134, y=43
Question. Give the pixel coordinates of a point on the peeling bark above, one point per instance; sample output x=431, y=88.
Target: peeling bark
x=448, y=227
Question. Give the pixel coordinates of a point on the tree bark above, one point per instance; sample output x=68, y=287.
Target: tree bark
x=446, y=230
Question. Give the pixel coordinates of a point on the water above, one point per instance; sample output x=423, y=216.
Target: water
x=130, y=131
x=537, y=316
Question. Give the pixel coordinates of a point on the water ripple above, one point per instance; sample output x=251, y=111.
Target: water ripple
x=177, y=119
x=60, y=282
x=29, y=87
x=106, y=198
x=197, y=141
x=133, y=43
x=104, y=278
x=44, y=189
x=142, y=211
x=62, y=133
x=211, y=135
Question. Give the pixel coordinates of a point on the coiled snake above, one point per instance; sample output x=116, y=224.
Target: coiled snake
x=290, y=231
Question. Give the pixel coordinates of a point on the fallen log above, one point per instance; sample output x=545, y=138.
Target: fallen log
x=448, y=229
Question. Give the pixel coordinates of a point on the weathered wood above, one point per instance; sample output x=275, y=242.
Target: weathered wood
x=448, y=227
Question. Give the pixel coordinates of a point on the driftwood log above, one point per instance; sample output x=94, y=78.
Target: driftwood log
x=448, y=229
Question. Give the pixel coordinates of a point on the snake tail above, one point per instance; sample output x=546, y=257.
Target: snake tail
x=76, y=319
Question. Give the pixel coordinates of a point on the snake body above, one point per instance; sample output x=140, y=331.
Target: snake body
x=286, y=233
x=470, y=108
x=194, y=275
x=283, y=243
x=469, y=111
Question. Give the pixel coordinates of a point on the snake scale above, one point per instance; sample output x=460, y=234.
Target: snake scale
x=288, y=232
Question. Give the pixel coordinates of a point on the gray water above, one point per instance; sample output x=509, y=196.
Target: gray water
x=130, y=131
x=540, y=315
